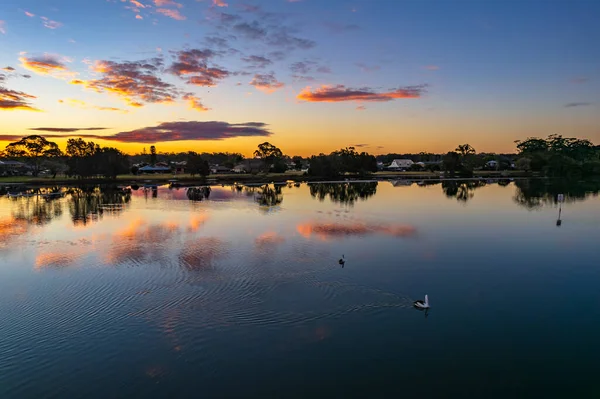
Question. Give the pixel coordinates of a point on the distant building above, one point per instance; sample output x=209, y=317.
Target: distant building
x=214, y=169
x=249, y=166
x=398, y=164
x=154, y=169
x=12, y=167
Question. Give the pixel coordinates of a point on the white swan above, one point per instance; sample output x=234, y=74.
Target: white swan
x=422, y=304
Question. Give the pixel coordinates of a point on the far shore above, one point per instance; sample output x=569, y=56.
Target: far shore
x=248, y=178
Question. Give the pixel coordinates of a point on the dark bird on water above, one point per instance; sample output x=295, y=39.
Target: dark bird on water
x=342, y=261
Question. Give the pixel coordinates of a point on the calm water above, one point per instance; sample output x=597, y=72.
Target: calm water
x=240, y=294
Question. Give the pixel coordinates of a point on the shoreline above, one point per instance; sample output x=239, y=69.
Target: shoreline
x=187, y=180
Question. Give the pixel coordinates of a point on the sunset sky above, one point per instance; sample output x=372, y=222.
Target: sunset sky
x=309, y=76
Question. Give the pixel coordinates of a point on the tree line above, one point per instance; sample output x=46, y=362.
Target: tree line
x=553, y=156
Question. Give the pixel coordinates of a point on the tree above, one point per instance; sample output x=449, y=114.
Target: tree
x=268, y=153
x=297, y=160
x=451, y=162
x=152, y=155
x=196, y=165
x=34, y=149
x=465, y=149
x=81, y=157
x=523, y=164
x=111, y=162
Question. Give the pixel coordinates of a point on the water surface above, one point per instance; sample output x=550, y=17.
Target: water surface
x=238, y=292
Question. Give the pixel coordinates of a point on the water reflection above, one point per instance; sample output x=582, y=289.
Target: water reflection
x=88, y=204
x=345, y=193
x=463, y=191
x=37, y=210
x=326, y=231
x=535, y=193
x=198, y=193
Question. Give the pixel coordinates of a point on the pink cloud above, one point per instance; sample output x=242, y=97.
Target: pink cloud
x=138, y=16
x=50, y=24
x=175, y=14
x=220, y=3
x=29, y=14
x=266, y=82
x=2, y=27
x=167, y=3
x=339, y=93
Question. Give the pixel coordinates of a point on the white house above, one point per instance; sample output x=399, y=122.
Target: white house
x=401, y=164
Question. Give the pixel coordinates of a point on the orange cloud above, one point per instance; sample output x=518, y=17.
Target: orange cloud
x=326, y=231
x=194, y=103
x=11, y=100
x=138, y=16
x=220, y=3
x=135, y=82
x=339, y=93
x=175, y=14
x=48, y=64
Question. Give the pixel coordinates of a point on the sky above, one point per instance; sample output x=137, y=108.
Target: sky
x=309, y=76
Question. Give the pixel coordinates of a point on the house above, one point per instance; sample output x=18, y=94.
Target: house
x=398, y=164
x=214, y=169
x=154, y=169
x=12, y=168
x=249, y=166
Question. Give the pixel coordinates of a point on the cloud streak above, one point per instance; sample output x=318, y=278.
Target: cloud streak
x=580, y=104
x=341, y=93
x=173, y=131
x=195, y=103
x=175, y=14
x=11, y=100
x=65, y=129
x=50, y=24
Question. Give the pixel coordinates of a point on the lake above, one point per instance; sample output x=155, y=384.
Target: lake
x=237, y=291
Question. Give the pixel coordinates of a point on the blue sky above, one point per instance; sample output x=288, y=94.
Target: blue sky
x=393, y=76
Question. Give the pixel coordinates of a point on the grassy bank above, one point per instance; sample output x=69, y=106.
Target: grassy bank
x=235, y=178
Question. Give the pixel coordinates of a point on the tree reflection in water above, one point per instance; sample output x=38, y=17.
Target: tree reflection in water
x=38, y=209
x=463, y=191
x=198, y=193
x=267, y=195
x=345, y=193
x=535, y=193
x=87, y=204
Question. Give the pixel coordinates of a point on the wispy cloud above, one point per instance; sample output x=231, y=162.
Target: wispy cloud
x=47, y=64
x=195, y=103
x=257, y=61
x=65, y=129
x=167, y=3
x=266, y=82
x=135, y=82
x=192, y=65
x=367, y=68
x=179, y=131
x=580, y=80
x=219, y=3
x=341, y=93
x=138, y=16
x=83, y=105
x=335, y=27
x=175, y=14
x=29, y=14
x=580, y=104
x=361, y=108
x=302, y=69
x=50, y=24
x=2, y=27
